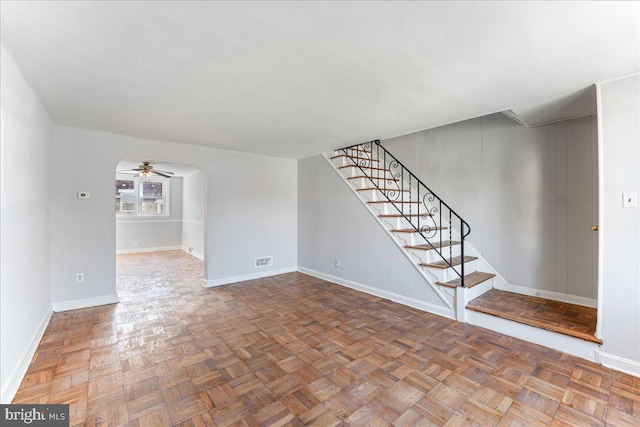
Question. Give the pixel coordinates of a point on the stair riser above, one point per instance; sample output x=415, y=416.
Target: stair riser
x=375, y=194
x=447, y=274
x=414, y=239
x=391, y=209
x=345, y=161
x=366, y=182
x=355, y=171
x=393, y=190
x=432, y=255
x=424, y=222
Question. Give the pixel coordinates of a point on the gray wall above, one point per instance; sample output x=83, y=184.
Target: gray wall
x=153, y=232
x=333, y=223
x=25, y=258
x=529, y=194
x=193, y=213
x=620, y=122
x=257, y=206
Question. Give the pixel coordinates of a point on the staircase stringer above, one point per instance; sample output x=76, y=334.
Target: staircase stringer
x=447, y=298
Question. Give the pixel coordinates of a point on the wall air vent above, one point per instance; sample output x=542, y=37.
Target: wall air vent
x=264, y=261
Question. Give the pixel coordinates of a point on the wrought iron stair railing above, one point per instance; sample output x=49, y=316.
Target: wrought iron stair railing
x=423, y=210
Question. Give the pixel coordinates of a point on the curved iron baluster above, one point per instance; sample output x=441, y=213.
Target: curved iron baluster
x=392, y=190
x=366, y=161
x=428, y=216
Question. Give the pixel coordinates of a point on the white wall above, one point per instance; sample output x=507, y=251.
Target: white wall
x=251, y=199
x=333, y=223
x=153, y=232
x=193, y=213
x=619, y=112
x=25, y=258
x=529, y=194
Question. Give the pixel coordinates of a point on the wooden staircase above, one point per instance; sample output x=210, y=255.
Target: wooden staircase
x=474, y=296
x=372, y=180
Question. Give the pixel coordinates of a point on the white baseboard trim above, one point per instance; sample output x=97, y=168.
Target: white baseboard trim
x=85, y=303
x=628, y=366
x=141, y=250
x=194, y=253
x=10, y=387
x=400, y=299
x=556, y=296
x=235, y=279
x=564, y=343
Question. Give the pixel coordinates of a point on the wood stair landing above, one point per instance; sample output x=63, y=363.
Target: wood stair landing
x=568, y=319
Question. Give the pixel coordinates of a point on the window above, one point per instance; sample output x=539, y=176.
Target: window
x=140, y=196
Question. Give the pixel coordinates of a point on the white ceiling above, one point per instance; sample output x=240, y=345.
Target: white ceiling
x=294, y=79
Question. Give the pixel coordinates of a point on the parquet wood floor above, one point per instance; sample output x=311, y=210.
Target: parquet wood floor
x=296, y=350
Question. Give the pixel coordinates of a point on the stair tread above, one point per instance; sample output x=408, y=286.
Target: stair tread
x=363, y=167
x=356, y=158
x=402, y=216
x=434, y=245
x=395, y=201
x=456, y=260
x=569, y=319
x=361, y=150
x=373, y=177
x=413, y=230
x=470, y=280
x=382, y=189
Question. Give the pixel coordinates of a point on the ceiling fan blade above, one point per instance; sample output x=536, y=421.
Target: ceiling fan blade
x=160, y=173
x=126, y=171
x=165, y=172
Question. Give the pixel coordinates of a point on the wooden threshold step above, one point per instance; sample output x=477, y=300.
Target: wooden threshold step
x=456, y=260
x=569, y=319
x=470, y=280
x=434, y=245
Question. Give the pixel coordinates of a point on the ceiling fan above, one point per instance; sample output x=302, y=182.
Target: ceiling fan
x=146, y=170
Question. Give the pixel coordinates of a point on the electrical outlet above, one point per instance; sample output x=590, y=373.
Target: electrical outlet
x=135, y=243
x=84, y=195
x=338, y=262
x=79, y=277
x=190, y=249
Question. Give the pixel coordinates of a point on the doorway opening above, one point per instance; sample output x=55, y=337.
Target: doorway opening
x=160, y=211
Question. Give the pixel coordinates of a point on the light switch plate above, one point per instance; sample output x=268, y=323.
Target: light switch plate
x=629, y=200
x=84, y=195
